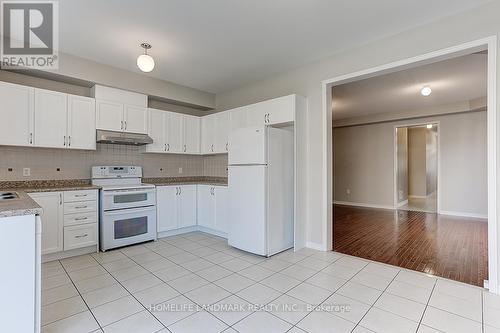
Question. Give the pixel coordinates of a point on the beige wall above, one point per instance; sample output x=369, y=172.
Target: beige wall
x=364, y=163
x=431, y=160
x=75, y=164
x=402, y=164
x=481, y=22
x=417, y=170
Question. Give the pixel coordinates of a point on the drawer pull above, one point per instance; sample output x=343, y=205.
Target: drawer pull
x=80, y=195
x=81, y=236
x=80, y=218
x=81, y=207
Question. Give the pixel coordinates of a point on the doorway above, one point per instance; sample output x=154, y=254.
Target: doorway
x=416, y=167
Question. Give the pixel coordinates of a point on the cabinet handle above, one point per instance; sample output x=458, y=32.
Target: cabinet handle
x=81, y=236
x=80, y=195
x=180, y=190
x=184, y=148
x=69, y=141
x=31, y=138
x=64, y=144
x=125, y=124
x=80, y=207
x=227, y=143
x=60, y=198
x=121, y=127
x=168, y=146
x=212, y=148
x=81, y=218
x=176, y=191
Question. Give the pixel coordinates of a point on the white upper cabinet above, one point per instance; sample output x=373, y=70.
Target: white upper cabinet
x=221, y=132
x=279, y=110
x=191, y=134
x=135, y=119
x=16, y=112
x=81, y=122
x=50, y=119
x=157, y=131
x=109, y=115
x=237, y=118
x=208, y=134
x=174, y=132
x=256, y=115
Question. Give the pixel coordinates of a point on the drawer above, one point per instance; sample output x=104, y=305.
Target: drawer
x=80, y=218
x=83, y=195
x=80, y=207
x=80, y=236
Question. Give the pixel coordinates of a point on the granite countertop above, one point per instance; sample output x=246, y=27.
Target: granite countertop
x=202, y=180
x=32, y=186
x=23, y=205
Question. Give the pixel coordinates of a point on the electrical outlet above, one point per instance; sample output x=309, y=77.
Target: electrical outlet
x=26, y=172
x=348, y=191
x=180, y=170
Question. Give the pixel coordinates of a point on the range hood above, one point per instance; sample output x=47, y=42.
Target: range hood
x=122, y=138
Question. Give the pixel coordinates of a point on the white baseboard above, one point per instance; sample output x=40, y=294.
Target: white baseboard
x=315, y=246
x=177, y=232
x=463, y=214
x=402, y=203
x=212, y=232
x=359, y=204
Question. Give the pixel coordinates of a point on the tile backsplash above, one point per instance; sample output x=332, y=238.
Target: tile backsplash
x=76, y=164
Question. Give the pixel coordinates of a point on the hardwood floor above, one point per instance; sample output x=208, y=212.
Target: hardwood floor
x=451, y=247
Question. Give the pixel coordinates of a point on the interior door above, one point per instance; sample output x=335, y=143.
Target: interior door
x=135, y=118
x=191, y=135
x=157, y=131
x=109, y=115
x=52, y=220
x=50, y=119
x=16, y=105
x=81, y=122
x=206, y=206
x=174, y=132
x=167, y=208
x=187, y=195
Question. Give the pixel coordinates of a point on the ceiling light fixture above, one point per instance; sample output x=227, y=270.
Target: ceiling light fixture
x=426, y=91
x=145, y=62
x=429, y=126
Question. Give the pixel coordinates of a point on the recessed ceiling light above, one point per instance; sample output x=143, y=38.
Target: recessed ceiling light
x=145, y=62
x=426, y=91
x=429, y=126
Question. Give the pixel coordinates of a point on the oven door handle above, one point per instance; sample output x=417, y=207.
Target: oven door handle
x=129, y=211
x=125, y=192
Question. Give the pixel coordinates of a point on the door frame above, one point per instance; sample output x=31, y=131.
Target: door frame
x=438, y=185
x=488, y=43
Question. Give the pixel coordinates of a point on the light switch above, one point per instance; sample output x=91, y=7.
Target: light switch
x=26, y=172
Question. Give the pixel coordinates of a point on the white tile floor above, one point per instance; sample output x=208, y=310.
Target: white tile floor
x=197, y=283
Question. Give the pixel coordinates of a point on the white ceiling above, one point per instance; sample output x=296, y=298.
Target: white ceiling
x=217, y=45
x=454, y=80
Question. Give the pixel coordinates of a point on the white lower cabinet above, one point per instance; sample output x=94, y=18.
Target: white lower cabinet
x=212, y=207
x=69, y=219
x=175, y=207
x=185, y=206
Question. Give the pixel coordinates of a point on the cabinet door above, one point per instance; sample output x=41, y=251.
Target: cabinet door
x=52, y=220
x=16, y=105
x=166, y=208
x=135, y=119
x=109, y=115
x=280, y=110
x=191, y=133
x=208, y=134
x=237, y=118
x=174, y=132
x=187, y=211
x=206, y=206
x=50, y=119
x=221, y=208
x=157, y=131
x=221, y=132
x=81, y=122
x=256, y=114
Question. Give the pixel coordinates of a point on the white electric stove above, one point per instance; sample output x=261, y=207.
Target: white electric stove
x=127, y=206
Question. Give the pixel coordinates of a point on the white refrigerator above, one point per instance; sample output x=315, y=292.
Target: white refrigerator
x=261, y=189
